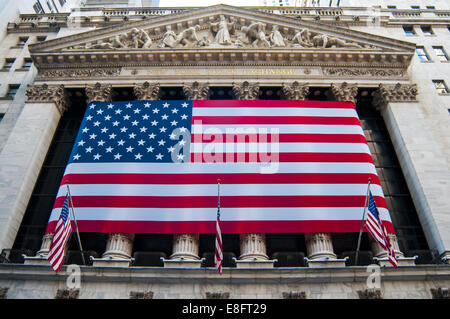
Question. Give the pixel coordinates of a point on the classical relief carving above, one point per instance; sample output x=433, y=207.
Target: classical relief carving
x=135, y=38
x=255, y=32
x=344, y=92
x=196, y=91
x=48, y=94
x=147, y=91
x=276, y=38
x=364, y=72
x=227, y=31
x=295, y=91
x=246, y=91
x=394, y=93
x=99, y=93
x=86, y=73
x=222, y=30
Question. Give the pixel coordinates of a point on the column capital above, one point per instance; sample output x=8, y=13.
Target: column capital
x=344, y=92
x=98, y=92
x=246, y=90
x=147, y=91
x=296, y=91
x=45, y=93
x=394, y=93
x=196, y=91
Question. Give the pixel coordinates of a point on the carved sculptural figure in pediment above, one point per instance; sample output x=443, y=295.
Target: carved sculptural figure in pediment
x=222, y=30
x=227, y=31
x=276, y=38
x=255, y=32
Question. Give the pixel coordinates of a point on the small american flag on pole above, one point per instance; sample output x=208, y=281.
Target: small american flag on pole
x=62, y=233
x=218, y=257
x=375, y=227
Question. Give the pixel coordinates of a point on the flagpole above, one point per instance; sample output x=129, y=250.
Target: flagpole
x=362, y=223
x=76, y=224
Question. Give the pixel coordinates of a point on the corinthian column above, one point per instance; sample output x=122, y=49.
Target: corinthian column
x=388, y=100
x=118, y=246
x=186, y=246
x=252, y=246
x=295, y=91
x=35, y=127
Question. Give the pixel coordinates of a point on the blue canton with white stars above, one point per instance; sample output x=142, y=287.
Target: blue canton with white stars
x=135, y=131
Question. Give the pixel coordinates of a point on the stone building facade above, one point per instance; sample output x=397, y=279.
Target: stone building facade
x=392, y=65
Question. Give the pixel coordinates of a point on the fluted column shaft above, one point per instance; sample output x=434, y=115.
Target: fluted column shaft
x=118, y=245
x=252, y=246
x=186, y=246
x=319, y=246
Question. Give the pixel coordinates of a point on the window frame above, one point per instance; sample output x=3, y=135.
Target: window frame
x=441, y=85
x=441, y=54
x=409, y=33
x=9, y=63
x=424, y=54
x=12, y=88
x=427, y=30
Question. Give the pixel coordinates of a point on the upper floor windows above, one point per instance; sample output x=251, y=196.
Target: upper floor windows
x=8, y=64
x=440, y=87
x=426, y=29
x=22, y=41
x=441, y=54
x=422, y=54
x=409, y=30
x=12, y=90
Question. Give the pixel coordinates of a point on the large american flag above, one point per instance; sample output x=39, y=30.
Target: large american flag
x=284, y=166
x=63, y=230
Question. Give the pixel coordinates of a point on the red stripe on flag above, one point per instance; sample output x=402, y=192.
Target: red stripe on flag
x=281, y=158
x=211, y=201
x=227, y=227
x=228, y=178
x=282, y=138
x=274, y=120
x=272, y=104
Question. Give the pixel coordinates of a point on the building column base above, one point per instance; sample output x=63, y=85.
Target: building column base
x=111, y=262
x=402, y=261
x=39, y=259
x=326, y=262
x=182, y=263
x=254, y=263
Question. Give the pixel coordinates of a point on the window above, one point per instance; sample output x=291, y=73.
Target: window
x=422, y=54
x=409, y=30
x=12, y=91
x=1, y=116
x=427, y=30
x=38, y=8
x=8, y=64
x=442, y=56
x=415, y=7
x=62, y=2
x=27, y=63
x=41, y=38
x=431, y=7
x=392, y=7
x=22, y=41
x=440, y=87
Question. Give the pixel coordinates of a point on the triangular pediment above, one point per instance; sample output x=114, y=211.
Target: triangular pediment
x=221, y=33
